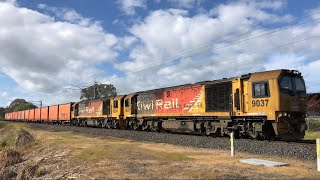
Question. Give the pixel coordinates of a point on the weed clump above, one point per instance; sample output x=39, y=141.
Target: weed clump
x=24, y=138
x=11, y=157
x=3, y=144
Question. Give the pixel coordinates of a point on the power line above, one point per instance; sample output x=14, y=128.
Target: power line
x=40, y=102
x=280, y=46
x=207, y=48
x=208, y=45
x=247, y=38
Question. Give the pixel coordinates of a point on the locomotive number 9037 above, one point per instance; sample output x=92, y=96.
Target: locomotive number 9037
x=260, y=103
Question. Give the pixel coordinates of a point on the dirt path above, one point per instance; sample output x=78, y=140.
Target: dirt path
x=68, y=155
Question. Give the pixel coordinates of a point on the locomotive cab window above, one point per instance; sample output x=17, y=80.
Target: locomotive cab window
x=300, y=86
x=260, y=89
x=286, y=83
x=126, y=102
x=115, y=103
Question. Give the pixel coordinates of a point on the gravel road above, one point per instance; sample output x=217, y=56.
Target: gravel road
x=282, y=149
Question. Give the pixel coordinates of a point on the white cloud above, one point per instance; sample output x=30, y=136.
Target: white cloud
x=129, y=6
x=251, y=11
x=172, y=35
x=69, y=15
x=45, y=55
x=3, y=94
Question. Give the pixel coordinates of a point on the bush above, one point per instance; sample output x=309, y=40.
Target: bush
x=3, y=144
x=313, y=124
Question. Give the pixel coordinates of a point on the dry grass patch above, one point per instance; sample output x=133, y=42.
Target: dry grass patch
x=68, y=154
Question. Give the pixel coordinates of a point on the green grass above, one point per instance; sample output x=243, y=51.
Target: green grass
x=3, y=124
x=92, y=154
x=172, y=156
x=313, y=131
x=8, y=133
x=312, y=135
x=313, y=125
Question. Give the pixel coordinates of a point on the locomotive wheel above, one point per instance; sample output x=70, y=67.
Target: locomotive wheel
x=115, y=124
x=108, y=125
x=255, y=135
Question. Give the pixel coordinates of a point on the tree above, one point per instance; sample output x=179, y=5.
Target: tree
x=2, y=112
x=19, y=105
x=313, y=106
x=24, y=106
x=98, y=91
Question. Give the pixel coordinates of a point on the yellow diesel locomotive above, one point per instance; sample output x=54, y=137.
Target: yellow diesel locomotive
x=265, y=105
x=260, y=105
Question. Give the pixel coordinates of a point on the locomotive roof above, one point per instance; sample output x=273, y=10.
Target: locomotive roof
x=90, y=100
x=253, y=77
x=209, y=82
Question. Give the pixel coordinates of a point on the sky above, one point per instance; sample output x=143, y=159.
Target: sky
x=47, y=48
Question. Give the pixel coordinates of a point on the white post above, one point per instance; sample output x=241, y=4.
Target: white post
x=231, y=143
x=318, y=154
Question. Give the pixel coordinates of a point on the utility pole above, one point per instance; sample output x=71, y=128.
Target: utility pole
x=40, y=101
x=95, y=90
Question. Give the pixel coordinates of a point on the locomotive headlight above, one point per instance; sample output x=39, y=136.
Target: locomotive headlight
x=285, y=114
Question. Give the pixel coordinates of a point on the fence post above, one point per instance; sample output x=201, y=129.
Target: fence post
x=318, y=154
x=232, y=143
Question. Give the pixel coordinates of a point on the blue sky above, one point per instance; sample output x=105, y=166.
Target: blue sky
x=46, y=47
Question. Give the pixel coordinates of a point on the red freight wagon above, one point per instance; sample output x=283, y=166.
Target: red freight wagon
x=31, y=114
x=53, y=113
x=18, y=115
x=64, y=112
x=44, y=113
x=26, y=115
x=21, y=115
x=15, y=115
x=37, y=114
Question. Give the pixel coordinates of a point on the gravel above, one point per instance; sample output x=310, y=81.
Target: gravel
x=299, y=151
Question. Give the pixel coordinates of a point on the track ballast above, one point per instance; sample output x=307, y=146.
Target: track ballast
x=304, y=150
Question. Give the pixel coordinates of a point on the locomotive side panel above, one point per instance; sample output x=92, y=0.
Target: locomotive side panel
x=89, y=109
x=145, y=102
x=179, y=101
x=218, y=97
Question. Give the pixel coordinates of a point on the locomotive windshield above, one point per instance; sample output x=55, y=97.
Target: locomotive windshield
x=292, y=85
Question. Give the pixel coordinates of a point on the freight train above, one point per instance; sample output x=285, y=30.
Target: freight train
x=260, y=105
